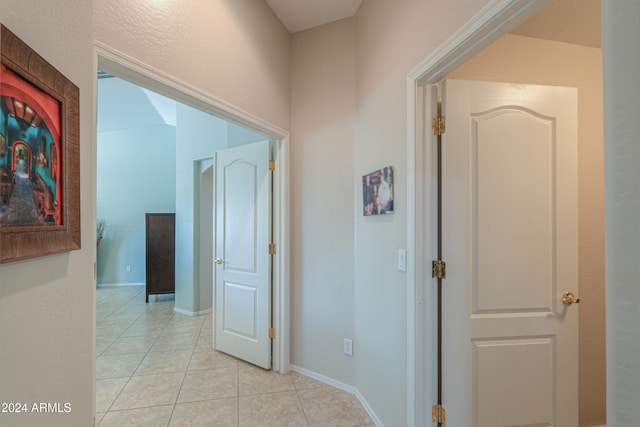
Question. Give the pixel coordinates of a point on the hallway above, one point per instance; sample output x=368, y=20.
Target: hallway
x=21, y=209
x=156, y=368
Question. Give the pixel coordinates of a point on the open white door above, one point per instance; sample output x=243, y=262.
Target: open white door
x=243, y=270
x=510, y=244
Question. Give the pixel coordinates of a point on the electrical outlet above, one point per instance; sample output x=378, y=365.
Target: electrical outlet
x=348, y=347
x=128, y=269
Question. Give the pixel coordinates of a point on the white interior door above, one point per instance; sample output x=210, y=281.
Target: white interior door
x=510, y=244
x=243, y=265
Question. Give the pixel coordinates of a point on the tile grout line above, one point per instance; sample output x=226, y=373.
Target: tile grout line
x=170, y=324
x=138, y=366
x=128, y=379
x=301, y=405
x=184, y=376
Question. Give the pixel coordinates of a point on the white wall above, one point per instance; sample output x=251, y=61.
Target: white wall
x=238, y=135
x=136, y=174
x=206, y=238
x=621, y=35
x=198, y=136
x=47, y=305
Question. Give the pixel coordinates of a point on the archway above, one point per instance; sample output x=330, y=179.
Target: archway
x=22, y=159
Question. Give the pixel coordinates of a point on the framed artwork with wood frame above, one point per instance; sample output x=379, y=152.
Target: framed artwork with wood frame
x=39, y=155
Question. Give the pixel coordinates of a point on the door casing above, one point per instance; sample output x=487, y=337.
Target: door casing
x=497, y=18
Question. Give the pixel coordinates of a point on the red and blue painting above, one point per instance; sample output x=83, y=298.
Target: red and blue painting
x=30, y=154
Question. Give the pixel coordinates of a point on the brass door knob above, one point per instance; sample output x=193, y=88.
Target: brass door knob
x=218, y=261
x=569, y=298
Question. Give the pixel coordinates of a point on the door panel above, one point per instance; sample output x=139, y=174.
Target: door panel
x=512, y=213
x=502, y=363
x=241, y=190
x=243, y=272
x=241, y=316
x=510, y=243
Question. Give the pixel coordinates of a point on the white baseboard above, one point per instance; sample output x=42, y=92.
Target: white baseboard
x=341, y=386
x=108, y=285
x=325, y=380
x=192, y=313
x=207, y=311
x=369, y=409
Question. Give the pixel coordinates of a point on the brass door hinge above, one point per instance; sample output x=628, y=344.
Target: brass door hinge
x=272, y=165
x=438, y=125
x=272, y=332
x=439, y=269
x=272, y=249
x=438, y=414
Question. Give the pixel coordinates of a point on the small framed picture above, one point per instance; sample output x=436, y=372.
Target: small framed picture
x=377, y=192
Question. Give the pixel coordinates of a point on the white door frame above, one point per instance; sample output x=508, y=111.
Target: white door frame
x=117, y=63
x=497, y=18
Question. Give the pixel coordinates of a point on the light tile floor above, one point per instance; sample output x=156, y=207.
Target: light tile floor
x=156, y=368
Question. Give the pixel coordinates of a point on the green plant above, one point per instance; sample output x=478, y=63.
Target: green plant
x=100, y=232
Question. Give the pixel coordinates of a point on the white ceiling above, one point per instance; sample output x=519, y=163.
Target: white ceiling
x=123, y=105
x=570, y=21
x=298, y=15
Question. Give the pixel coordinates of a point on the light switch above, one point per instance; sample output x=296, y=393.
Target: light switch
x=348, y=347
x=402, y=260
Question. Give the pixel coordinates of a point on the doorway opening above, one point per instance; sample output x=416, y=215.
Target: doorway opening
x=125, y=68
x=203, y=295
x=487, y=27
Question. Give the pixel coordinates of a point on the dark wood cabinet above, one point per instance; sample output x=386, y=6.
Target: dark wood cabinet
x=161, y=239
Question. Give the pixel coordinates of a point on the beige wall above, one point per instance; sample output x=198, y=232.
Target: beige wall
x=47, y=305
x=323, y=71
x=527, y=60
x=348, y=118
x=392, y=38
x=235, y=50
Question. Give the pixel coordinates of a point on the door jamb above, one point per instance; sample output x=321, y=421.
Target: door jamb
x=113, y=61
x=497, y=18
